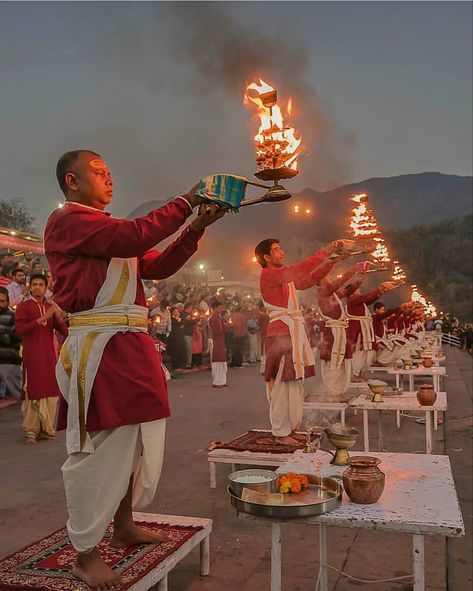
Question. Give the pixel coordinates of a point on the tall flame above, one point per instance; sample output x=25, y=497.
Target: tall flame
x=399, y=274
x=363, y=223
x=277, y=145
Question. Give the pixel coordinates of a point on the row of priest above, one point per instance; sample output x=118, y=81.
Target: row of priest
x=352, y=338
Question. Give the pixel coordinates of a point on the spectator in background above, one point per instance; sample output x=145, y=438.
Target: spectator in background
x=10, y=361
x=176, y=347
x=252, y=328
x=197, y=345
x=240, y=336
x=18, y=289
x=188, y=323
x=3, y=280
x=162, y=317
x=218, y=356
x=36, y=320
x=263, y=321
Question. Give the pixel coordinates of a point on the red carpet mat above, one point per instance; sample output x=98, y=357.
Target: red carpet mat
x=46, y=564
x=259, y=441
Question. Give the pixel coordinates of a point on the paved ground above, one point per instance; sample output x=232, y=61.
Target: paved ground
x=32, y=500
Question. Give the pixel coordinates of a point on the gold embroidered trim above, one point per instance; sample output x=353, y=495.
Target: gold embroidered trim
x=122, y=285
x=81, y=384
x=66, y=360
x=109, y=320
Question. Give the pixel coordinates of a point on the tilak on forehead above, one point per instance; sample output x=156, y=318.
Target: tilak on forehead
x=98, y=164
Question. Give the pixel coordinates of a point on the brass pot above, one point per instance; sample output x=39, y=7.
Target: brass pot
x=363, y=480
x=427, y=362
x=426, y=396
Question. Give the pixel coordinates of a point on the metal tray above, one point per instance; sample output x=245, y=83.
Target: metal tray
x=324, y=494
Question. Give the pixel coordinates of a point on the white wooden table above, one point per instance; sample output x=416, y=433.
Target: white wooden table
x=419, y=498
x=435, y=372
x=250, y=458
x=407, y=401
x=159, y=575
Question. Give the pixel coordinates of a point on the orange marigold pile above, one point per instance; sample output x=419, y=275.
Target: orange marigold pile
x=291, y=482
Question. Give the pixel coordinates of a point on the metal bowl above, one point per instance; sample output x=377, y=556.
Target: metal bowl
x=266, y=486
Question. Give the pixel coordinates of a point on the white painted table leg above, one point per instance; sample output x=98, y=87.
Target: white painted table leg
x=233, y=467
x=411, y=383
x=419, y=562
x=380, y=430
x=366, y=434
x=342, y=417
x=429, y=432
x=435, y=420
x=398, y=419
x=323, y=572
x=398, y=380
x=213, y=474
x=276, y=565
x=163, y=584
x=205, y=556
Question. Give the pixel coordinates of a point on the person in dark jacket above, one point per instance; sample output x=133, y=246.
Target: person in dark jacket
x=10, y=360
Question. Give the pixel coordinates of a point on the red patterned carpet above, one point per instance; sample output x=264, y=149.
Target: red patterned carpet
x=259, y=441
x=46, y=564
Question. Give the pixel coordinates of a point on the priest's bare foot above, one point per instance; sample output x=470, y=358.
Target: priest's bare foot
x=30, y=441
x=287, y=440
x=358, y=379
x=298, y=436
x=93, y=571
x=132, y=534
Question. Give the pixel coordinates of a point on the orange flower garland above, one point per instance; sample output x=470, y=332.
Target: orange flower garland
x=291, y=482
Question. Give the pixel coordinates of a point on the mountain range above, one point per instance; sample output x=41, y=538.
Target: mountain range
x=399, y=202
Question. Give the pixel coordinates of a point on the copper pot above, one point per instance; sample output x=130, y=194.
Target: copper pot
x=426, y=396
x=427, y=362
x=363, y=480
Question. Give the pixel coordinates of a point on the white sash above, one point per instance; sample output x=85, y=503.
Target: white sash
x=82, y=351
x=302, y=355
x=339, y=331
x=367, y=330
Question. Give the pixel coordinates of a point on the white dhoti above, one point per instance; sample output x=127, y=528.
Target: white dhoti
x=286, y=397
x=336, y=379
x=95, y=483
x=285, y=404
x=219, y=373
x=364, y=354
x=253, y=348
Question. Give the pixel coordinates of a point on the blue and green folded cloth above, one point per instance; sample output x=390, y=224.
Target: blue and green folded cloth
x=226, y=189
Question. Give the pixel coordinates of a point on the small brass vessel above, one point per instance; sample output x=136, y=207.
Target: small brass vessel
x=378, y=388
x=342, y=441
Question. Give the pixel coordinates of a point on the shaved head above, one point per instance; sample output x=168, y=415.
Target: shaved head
x=68, y=163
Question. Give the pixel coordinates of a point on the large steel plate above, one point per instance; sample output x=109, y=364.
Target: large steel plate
x=324, y=494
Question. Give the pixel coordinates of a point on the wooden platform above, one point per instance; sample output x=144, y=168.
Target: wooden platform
x=159, y=576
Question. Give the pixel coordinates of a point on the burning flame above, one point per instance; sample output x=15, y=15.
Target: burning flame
x=399, y=275
x=417, y=297
x=277, y=145
x=381, y=252
x=363, y=223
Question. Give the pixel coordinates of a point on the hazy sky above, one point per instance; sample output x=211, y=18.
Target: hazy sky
x=380, y=89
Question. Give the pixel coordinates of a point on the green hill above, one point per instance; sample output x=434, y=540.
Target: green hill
x=439, y=259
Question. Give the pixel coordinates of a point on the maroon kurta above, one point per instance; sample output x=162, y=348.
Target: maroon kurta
x=355, y=307
x=129, y=387
x=217, y=330
x=39, y=350
x=275, y=290
x=330, y=307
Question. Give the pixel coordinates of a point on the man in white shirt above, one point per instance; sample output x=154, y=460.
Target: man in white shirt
x=18, y=289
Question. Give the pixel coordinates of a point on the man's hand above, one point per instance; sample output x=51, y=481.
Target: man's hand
x=208, y=214
x=26, y=289
x=194, y=199
x=388, y=285
x=362, y=266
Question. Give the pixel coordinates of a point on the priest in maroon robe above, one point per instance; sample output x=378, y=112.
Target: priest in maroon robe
x=109, y=370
